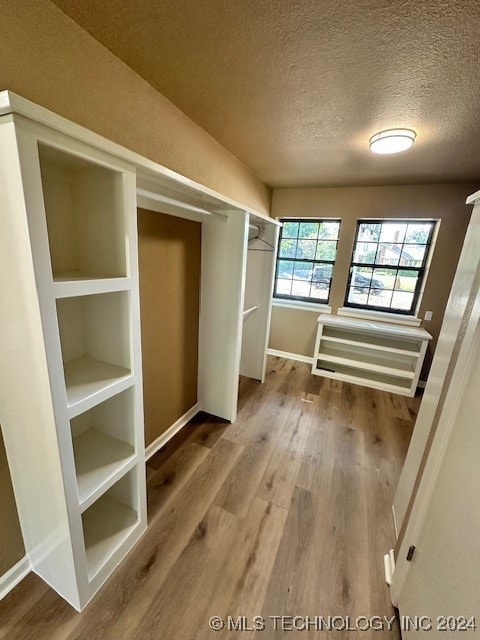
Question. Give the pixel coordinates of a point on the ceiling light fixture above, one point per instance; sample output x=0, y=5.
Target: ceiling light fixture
x=392, y=141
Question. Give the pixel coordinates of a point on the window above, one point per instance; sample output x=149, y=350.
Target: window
x=306, y=255
x=388, y=264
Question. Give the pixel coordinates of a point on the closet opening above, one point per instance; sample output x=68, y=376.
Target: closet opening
x=260, y=267
x=169, y=249
x=206, y=279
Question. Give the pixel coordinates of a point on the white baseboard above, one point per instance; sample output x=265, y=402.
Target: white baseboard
x=171, y=431
x=290, y=356
x=389, y=564
x=14, y=576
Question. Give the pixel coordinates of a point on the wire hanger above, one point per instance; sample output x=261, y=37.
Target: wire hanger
x=257, y=237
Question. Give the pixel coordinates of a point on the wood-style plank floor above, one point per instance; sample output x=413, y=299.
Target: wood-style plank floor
x=287, y=512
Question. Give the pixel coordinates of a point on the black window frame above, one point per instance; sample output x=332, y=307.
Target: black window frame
x=280, y=296
x=421, y=271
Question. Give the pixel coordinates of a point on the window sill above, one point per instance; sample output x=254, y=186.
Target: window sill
x=300, y=304
x=396, y=318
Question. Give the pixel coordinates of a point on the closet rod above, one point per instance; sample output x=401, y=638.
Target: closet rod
x=178, y=203
x=249, y=311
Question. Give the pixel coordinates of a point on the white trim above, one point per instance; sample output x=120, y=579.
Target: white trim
x=162, y=440
x=473, y=198
x=13, y=576
x=389, y=565
x=382, y=316
x=300, y=304
x=290, y=356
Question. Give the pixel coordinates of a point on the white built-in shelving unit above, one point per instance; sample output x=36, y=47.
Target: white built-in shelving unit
x=78, y=467
x=70, y=357
x=373, y=354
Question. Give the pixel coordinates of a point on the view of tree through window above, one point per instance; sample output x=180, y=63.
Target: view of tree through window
x=388, y=264
x=306, y=256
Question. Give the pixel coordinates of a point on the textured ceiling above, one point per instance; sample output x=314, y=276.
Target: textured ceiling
x=294, y=88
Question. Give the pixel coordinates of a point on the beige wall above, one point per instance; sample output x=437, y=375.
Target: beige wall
x=48, y=59
x=169, y=251
x=294, y=330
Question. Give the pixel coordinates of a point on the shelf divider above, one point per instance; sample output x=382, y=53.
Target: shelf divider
x=73, y=285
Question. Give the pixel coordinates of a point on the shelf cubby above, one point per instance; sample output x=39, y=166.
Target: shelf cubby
x=388, y=344
x=84, y=207
x=109, y=522
x=95, y=342
x=371, y=359
x=362, y=376
x=104, y=443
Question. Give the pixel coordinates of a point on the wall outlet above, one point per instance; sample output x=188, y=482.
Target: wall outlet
x=428, y=315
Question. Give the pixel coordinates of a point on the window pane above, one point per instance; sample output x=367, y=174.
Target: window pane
x=357, y=296
x=412, y=255
x=301, y=288
x=290, y=229
x=326, y=250
x=322, y=272
x=402, y=246
x=369, y=232
x=384, y=278
x=380, y=298
x=288, y=248
x=283, y=287
x=388, y=253
x=361, y=278
x=394, y=233
x=319, y=293
x=285, y=269
x=402, y=300
x=303, y=270
x=329, y=230
x=419, y=233
x=322, y=275
x=365, y=252
x=308, y=230
x=306, y=249
x=406, y=281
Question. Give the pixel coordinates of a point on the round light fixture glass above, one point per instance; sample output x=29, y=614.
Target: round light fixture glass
x=392, y=141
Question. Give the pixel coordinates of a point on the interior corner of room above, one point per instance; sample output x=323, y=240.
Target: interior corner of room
x=202, y=396
x=293, y=330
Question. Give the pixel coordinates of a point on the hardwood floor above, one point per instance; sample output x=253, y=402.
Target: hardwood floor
x=287, y=512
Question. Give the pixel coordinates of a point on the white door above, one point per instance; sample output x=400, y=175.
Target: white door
x=442, y=581
x=438, y=589
x=452, y=334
